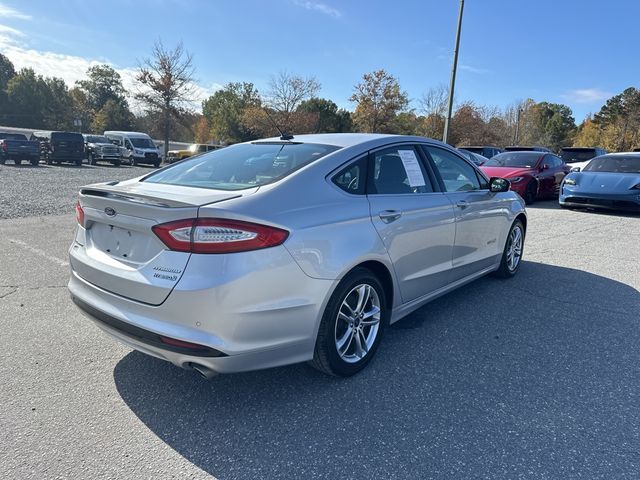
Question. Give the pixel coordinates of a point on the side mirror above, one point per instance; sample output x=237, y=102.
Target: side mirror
x=497, y=185
x=574, y=169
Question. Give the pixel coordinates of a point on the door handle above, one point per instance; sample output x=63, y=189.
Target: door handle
x=462, y=204
x=388, y=216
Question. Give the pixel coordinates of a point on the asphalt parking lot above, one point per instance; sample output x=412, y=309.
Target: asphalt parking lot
x=534, y=377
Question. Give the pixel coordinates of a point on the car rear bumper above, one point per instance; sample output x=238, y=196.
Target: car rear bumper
x=265, y=318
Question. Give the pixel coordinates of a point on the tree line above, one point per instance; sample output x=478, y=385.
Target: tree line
x=291, y=104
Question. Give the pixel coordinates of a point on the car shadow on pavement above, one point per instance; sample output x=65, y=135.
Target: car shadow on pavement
x=492, y=380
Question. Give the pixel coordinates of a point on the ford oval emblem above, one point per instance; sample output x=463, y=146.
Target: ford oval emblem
x=110, y=211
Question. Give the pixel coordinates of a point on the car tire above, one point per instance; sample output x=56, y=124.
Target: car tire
x=49, y=161
x=2, y=160
x=348, y=336
x=116, y=163
x=156, y=163
x=510, y=263
x=35, y=161
x=133, y=162
x=530, y=194
x=17, y=161
x=78, y=162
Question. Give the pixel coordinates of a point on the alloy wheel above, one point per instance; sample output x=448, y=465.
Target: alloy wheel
x=514, y=248
x=358, y=323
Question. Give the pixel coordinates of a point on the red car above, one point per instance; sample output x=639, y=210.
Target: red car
x=533, y=175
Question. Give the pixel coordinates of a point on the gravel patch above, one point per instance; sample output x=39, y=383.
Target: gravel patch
x=27, y=191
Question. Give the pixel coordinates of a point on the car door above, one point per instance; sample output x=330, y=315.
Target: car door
x=414, y=220
x=482, y=217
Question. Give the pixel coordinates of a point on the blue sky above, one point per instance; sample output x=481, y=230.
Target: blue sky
x=570, y=51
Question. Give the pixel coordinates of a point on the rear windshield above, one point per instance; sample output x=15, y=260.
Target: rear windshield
x=570, y=155
x=97, y=139
x=514, y=159
x=66, y=137
x=614, y=165
x=141, y=142
x=241, y=166
x=12, y=136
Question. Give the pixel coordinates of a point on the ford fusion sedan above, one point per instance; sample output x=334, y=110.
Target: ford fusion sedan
x=533, y=175
x=288, y=249
x=611, y=181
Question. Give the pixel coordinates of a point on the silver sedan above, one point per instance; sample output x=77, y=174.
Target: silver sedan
x=287, y=249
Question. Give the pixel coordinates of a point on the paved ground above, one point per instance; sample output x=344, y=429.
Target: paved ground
x=535, y=377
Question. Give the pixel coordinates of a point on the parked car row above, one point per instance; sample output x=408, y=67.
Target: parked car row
x=579, y=178
x=114, y=147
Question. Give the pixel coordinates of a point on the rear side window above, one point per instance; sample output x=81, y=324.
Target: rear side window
x=241, y=166
x=398, y=170
x=352, y=179
x=457, y=175
x=66, y=137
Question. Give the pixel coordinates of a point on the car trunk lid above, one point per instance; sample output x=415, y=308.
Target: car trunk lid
x=118, y=251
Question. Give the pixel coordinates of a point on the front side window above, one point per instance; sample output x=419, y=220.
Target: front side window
x=398, y=170
x=457, y=175
x=241, y=166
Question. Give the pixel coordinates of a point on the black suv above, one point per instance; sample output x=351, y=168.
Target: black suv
x=61, y=147
x=99, y=148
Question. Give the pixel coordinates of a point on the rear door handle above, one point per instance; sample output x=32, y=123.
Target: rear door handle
x=462, y=204
x=388, y=216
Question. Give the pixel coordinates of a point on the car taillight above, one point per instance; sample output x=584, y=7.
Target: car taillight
x=218, y=235
x=79, y=214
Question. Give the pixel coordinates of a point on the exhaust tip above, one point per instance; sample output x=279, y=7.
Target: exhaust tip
x=206, y=372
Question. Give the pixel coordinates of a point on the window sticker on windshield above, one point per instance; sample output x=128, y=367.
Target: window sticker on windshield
x=412, y=167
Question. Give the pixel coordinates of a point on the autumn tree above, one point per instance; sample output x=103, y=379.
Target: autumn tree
x=379, y=99
x=326, y=116
x=589, y=134
x=286, y=93
x=619, y=120
x=166, y=85
x=224, y=111
x=433, y=106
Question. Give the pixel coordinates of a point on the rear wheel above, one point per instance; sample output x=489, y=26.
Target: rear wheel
x=530, y=193
x=352, y=325
x=513, y=249
x=17, y=161
x=133, y=161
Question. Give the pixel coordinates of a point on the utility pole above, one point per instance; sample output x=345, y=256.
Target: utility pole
x=452, y=85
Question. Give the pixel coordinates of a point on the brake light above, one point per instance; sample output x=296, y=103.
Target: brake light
x=79, y=213
x=218, y=235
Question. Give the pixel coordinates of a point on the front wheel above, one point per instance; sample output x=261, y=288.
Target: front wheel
x=352, y=325
x=513, y=249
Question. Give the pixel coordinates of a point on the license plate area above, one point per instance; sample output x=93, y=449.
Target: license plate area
x=123, y=243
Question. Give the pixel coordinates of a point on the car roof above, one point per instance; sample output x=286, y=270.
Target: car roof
x=129, y=134
x=345, y=140
x=621, y=154
x=581, y=148
x=478, y=146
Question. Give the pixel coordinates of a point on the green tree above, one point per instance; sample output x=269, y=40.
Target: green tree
x=555, y=124
x=224, y=111
x=102, y=84
x=379, y=99
x=27, y=95
x=114, y=115
x=7, y=72
x=328, y=118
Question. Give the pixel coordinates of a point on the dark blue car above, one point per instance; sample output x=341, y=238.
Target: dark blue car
x=609, y=181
